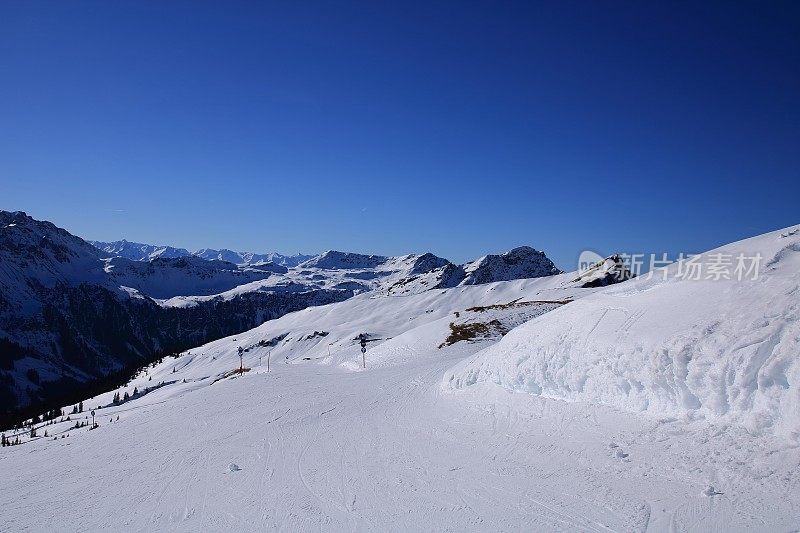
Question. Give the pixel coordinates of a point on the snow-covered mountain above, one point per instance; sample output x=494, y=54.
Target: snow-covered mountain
x=251, y=258
x=137, y=251
x=411, y=274
x=335, y=260
x=681, y=413
x=519, y=263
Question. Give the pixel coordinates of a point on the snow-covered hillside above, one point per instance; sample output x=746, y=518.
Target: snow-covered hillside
x=399, y=329
x=726, y=350
x=315, y=436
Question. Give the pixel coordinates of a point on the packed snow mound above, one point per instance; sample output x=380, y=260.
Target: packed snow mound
x=609, y=271
x=520, y=263
x=668, y=344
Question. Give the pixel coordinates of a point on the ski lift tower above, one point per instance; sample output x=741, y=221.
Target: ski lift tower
x=241, y=362
x=363, y=339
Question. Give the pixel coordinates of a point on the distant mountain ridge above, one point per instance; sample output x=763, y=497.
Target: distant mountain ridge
x=137, y=251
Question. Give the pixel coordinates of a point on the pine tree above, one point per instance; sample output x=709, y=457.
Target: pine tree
x=126, y=397
x=33, y=432
x=135, y=391
x=4, y=440
x=80, y=407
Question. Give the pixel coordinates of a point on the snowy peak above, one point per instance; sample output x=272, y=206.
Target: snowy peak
x=426, y=263
x=519, y=263
x=251, y=258
x=335, y=260
x=430, y=272
x=137, y=251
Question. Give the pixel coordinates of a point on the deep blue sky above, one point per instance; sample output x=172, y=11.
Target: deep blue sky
x=460, y=128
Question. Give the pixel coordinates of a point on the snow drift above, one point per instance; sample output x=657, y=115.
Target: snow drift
x=727, y=350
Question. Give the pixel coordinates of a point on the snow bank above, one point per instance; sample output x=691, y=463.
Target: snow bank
x=726, y=350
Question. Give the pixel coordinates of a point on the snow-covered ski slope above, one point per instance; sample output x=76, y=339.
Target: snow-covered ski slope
x=727, y=350
x=398, y=328
x=320, y=444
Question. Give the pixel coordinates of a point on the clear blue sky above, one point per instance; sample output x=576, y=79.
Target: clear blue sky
x=460, y=128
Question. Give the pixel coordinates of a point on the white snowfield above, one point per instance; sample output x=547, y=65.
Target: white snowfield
x=668, y=344
x=320, y=443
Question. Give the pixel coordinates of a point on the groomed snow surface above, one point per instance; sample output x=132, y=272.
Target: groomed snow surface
x=682, y=416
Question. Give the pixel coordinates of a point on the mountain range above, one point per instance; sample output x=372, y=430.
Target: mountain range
x=138, y=251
